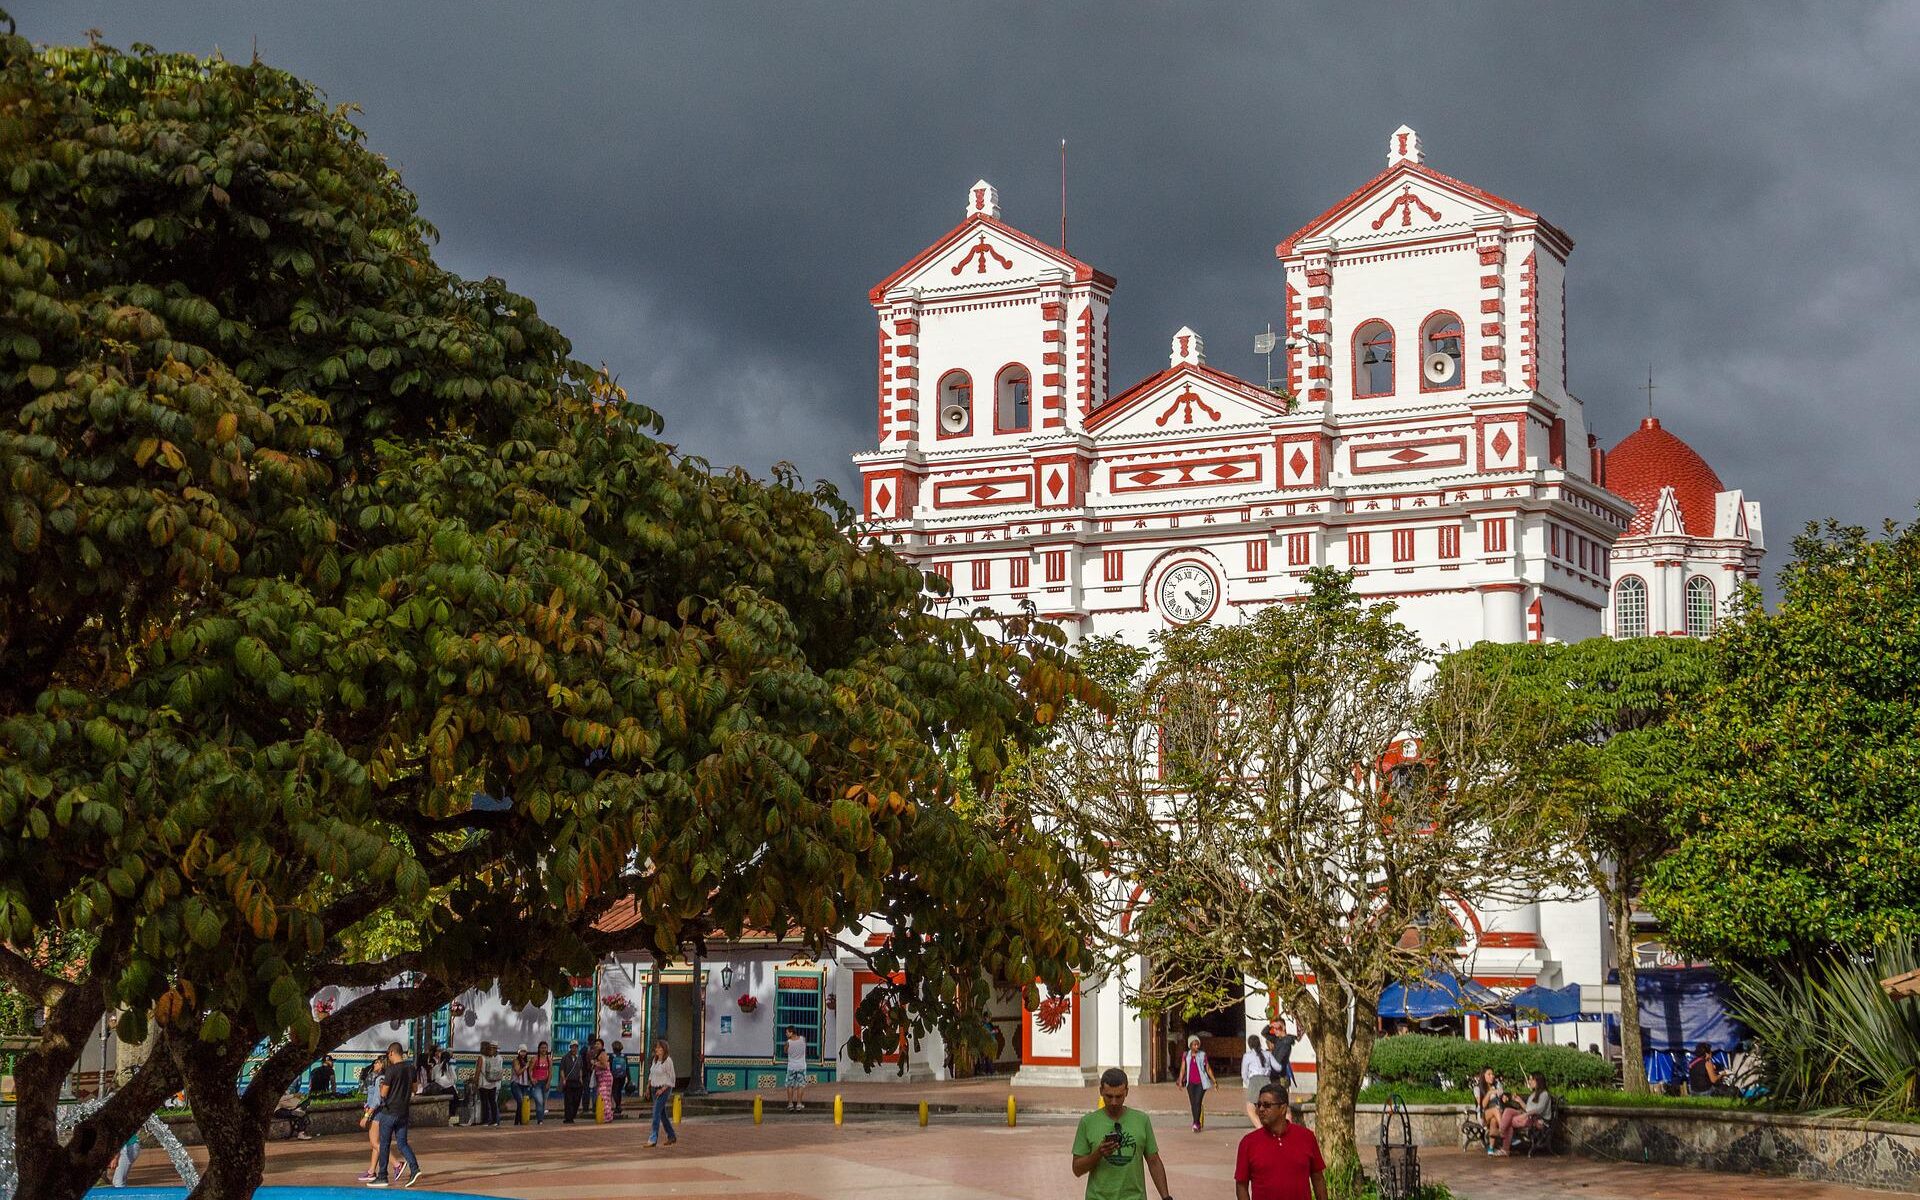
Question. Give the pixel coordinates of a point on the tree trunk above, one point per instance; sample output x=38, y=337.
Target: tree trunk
x=1340, y=1067
x=48, y=1169
x=1633, y=1063
x=234, y=1134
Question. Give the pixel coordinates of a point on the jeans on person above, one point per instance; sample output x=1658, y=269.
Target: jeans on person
x=619, y=1090
x=124, y=1162
x=1197, y=1099
x=489, y=1106
x=393, y=1133
x=662, y=1115
x=538, y=1090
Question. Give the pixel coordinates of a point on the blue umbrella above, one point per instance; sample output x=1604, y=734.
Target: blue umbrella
x=1437, y=995
x=1553, y=1004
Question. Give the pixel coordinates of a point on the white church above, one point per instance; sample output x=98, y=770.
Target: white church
x=1425, y=439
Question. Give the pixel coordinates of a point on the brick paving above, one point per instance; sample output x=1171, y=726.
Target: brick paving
x=885, y=1155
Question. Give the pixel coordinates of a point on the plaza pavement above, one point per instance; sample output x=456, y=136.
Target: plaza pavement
x=883, y=1155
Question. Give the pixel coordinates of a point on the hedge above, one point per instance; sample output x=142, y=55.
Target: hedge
x=1418, y=1060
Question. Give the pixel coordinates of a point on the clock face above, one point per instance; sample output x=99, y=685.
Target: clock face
x=1188, y=593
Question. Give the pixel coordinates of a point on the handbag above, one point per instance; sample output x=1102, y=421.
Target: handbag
x=1275, y=1074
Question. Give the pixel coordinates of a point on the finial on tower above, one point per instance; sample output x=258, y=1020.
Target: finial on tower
x=1188, y=349
x=983, y=200
x=1404, y=146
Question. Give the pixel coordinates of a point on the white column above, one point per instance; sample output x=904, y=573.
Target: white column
x=1502, y=612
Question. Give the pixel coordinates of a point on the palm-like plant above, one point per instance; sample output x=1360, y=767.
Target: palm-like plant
x=1831, y=1038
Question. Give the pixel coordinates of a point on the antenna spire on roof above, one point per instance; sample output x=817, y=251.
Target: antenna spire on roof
x=1648, y=389
x=1063, y=195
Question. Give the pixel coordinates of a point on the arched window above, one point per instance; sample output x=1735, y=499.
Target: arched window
x=1699, y=606
x=953, y=415
x=1630, y=608
x=1440, y=337
x=1373, y=360
x=1013, y=400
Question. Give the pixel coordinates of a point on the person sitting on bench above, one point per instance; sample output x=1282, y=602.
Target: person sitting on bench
x=1530, y=1116
x=1704, y=1076
x=292, y=1108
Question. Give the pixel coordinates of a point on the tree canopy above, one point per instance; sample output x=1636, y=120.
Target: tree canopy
x=309, y=541
x=1602, y=752
x=1801, y=832
x=1289, y=798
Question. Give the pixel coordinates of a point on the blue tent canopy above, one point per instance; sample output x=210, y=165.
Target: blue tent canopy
x=1436, y=995
x=1553, y=1004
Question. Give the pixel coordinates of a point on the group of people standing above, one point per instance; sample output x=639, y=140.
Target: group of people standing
x=599, y=1073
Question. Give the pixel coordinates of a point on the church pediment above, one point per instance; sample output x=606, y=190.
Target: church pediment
x=1184, y=400
x=1410, y=199
x=985, y=253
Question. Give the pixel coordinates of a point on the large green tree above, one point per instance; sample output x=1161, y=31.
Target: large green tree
x=308, y=541
x=1601, y=756
x=1287, y=799
x=1801, y=836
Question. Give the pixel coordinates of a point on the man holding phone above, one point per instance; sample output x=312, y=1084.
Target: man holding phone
x=1114, y=1146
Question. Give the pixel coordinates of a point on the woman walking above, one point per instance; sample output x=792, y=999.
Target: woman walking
x=1257, y=1070
x=660, y=1080
x=369, y=1111
x=1196, y=1075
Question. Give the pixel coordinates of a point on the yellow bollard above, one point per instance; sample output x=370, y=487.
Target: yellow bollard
x=599, y=1109
x=526, y=1109
x=1010, y=1112
x=839, y=1109
x=756, y=1110
x=923, y=1114
x=676, y=1110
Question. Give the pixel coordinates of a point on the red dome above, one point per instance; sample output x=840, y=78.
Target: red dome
x=1649, y=459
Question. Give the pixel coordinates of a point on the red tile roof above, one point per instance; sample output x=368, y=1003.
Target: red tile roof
x=1649, y=459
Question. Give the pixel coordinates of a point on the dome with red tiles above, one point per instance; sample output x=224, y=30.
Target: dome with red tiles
x=1649, y=459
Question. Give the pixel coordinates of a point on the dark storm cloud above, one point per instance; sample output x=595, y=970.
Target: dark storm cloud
x=700, y=195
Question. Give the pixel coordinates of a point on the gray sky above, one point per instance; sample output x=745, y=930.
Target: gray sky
x=700, y=194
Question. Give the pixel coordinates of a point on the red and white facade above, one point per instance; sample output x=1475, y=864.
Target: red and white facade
x=1426, y=441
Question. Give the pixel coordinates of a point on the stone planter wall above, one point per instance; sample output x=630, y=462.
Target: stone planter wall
x=1871, y=1154
x=428, y=1112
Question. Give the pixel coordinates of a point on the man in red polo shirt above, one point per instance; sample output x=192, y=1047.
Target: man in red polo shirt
x=1280, y=1160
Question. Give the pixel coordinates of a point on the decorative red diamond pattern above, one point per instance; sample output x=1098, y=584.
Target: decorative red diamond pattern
x=1502, y=444
x=1298, y=463
x=1410, y=454
x=1055, y=481
x=985, y=491
x=882, y=498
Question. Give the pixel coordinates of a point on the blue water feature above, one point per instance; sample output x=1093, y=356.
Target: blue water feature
x=265, y=1193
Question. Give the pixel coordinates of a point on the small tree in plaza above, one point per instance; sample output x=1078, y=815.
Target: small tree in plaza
x=1799, y=835
x=1598, y=747
x=1287, y=798
x=307, y=542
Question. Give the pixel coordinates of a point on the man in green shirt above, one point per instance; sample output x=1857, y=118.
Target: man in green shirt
x=1114, y=1146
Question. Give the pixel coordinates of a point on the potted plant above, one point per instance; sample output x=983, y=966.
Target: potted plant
x=749, y=1002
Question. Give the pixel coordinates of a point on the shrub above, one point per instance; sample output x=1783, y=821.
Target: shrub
x=1418, y=1061
x=1831, y=1038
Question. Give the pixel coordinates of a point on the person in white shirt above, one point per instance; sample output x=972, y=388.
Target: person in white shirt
x=660, y=1080
x=1257, y=1069
x=796, y=1069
